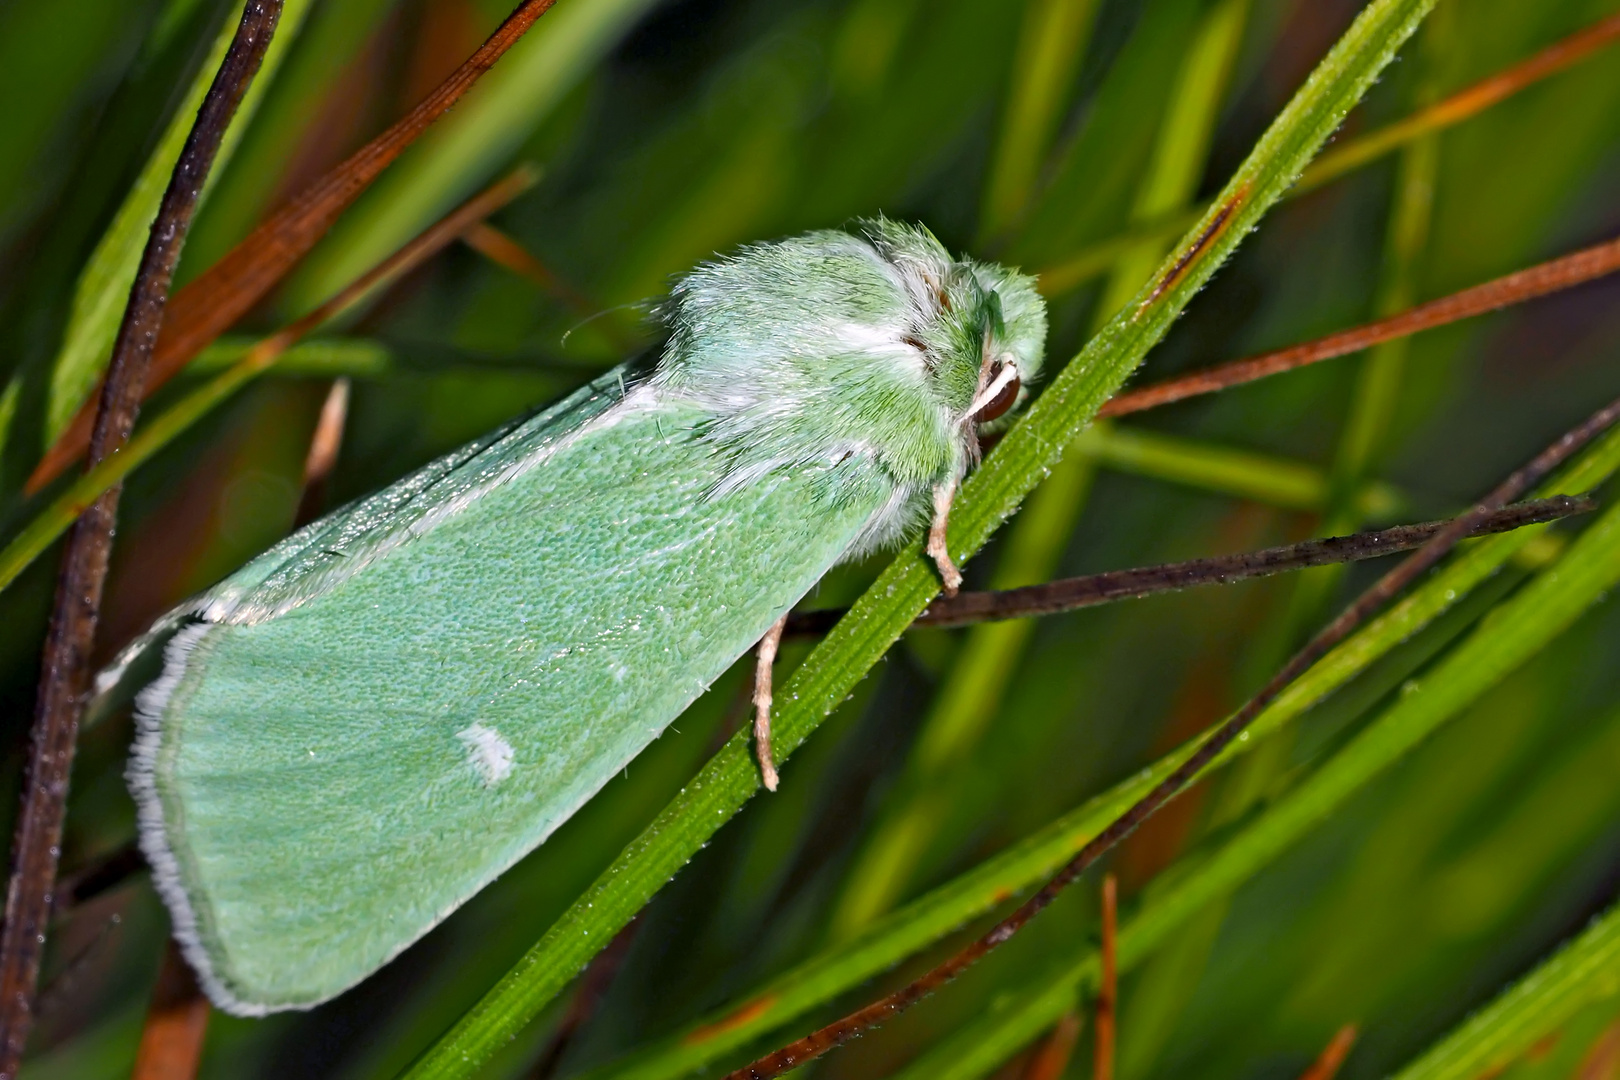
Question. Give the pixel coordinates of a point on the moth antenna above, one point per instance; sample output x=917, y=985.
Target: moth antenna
x=944, y=494
x=762, y=701
x=643, y=306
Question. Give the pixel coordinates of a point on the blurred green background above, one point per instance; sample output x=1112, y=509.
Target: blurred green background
x=1027, y=131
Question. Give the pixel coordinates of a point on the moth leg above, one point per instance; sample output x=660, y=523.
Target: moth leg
x=944, y=494
x=762, y=701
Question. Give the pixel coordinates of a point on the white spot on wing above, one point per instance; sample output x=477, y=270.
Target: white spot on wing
x=488, y=753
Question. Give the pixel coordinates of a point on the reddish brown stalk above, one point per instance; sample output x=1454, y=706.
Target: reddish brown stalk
x=1548, y=277
x=176, y=1023
x=1326, y=1067
x=423, y=246
x=1108, y=985
x=1051, y=1059
x=1465, y=103
x=225, y=292
x=65, y=665
x=865, y=1019
x=1356, y=152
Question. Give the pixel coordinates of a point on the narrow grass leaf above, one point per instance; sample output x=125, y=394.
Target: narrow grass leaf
x=103, y=287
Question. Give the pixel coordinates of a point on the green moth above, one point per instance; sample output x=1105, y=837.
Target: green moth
x=347, y=738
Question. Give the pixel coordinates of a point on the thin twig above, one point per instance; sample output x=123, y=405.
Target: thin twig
x=1071, y=594
x=84, y=561
x=593, y=987
x=176, y=1022
x=864, y=1019
x=225, y=292
x=1326, y=1067
x=1108, y=986
x=1352, y=153
x=324, y=445
x=1548, y=277
x=1470, y=101
x=1051, y=1059
x=49, y=523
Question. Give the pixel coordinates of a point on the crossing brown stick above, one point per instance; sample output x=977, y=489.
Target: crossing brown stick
x=1071, y=594
x=1515, y=288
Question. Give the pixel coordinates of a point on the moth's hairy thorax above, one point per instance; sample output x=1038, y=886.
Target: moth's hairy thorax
x=831, y=353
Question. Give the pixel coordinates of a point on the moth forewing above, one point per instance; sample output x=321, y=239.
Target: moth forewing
x=366, y=725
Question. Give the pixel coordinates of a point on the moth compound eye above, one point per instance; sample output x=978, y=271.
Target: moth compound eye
x=997, y=406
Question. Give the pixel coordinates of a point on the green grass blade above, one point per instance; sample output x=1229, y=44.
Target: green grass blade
x=1584, y=971
x=321, y=358
x=103, y=286
x=1244, y=474
x=990, y=496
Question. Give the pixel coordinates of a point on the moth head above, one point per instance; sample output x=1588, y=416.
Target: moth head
x=981, y=328
x=1012, y=344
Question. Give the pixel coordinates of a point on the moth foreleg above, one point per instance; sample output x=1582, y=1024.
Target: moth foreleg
x=944, y=494
x=762, y=701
